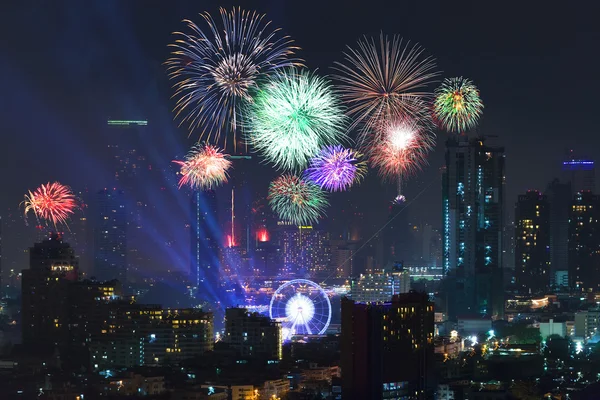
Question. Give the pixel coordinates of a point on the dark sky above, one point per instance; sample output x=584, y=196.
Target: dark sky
x=66, y=66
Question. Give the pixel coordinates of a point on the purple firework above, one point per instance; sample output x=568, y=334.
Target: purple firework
x=336, y=168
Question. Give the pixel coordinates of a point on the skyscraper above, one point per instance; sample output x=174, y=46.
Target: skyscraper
x=532, y=236
x=44, y=291
x=581, y=173
x=110, y=236
x=131, y=171
x=560, y=199
x=387, y=348
x=306, y=251
x=205, y=234
x=584, y=242
x=473, y=219
x=398, y=244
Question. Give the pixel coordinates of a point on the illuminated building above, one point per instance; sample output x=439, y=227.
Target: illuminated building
x=376, y=336
x=581, y=174
x=560, y=198
x=138, y=335
x=205, y=233
x=131, y=170
x=473, y=219
x=44, y=292
x=380, y=286
x=110, y=236
x=305, y=251
x=253, y=335
x=178, y=335
x=587, y=323
x=532, y=236
x=584, y=242
x=240, y=225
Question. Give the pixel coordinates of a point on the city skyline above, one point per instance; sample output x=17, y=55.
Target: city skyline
x=140, y=75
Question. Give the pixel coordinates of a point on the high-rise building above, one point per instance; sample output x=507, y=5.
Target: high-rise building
x=242, y=196
x=560, y=199
x=305, y=251
x=44, y=292
x=205, y=234
x=532, y=252
x=381, y=286
x=376, y=336
x=110, y=236
x=584, y=242
x=398, y=244
x=581, y=174
x=473, y=222
x=253, y=335
x=131, y=171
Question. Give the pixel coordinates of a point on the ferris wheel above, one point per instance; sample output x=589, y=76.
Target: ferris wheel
x=303, y=308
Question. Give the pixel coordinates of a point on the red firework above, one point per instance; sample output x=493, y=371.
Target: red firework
x=52, y=202
x=205, y=167
x=400, y=147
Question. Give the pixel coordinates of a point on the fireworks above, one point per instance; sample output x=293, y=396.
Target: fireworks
x=399, y=150
x=294, y=114
x=457, y=105
x=204, y=167
x=336, y=168
x=383, y=81
x=214, y=69
x=52, y=202
x=296, y=200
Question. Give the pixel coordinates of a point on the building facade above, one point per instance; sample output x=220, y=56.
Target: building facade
x=581, y=174
x=44, y=292
x=473, y=220
x=110, y=236
x=253, y=335
x=380, y=286
x=584, y=242
x=376, y=336
x=560, y=199
x=205, y=250
x=532, y=237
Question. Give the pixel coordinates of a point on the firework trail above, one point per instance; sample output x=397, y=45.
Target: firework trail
x=292, y=117
x=296, y=200
x=383, y=81
x=51, y=202
x=214, y=69
x=457, y=106
x=336, y=168
x=205, y=167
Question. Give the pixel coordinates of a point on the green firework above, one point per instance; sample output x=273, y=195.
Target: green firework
x=293, y=115
x=296, y=200
x=457, y=106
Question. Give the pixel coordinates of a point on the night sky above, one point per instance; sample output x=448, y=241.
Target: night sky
x=68, y=66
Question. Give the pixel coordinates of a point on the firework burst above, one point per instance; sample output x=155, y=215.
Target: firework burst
x=214, y=69
x=382, y=81
x=400, y=148
x=457, y=106
x=52, y=202
x=294, y=115
x=297, y=200
x=204, y=167
x=336, y=168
